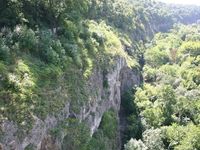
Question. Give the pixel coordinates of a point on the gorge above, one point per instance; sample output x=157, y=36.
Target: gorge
x=99, y=75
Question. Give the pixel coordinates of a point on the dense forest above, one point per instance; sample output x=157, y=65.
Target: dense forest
x=51, y=49
x=168, y=103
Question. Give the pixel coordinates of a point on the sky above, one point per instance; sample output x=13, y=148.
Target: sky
x=194, y=2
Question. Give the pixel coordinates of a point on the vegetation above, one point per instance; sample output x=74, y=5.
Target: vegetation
x=50, y=48
x=77, y=135
x=168, y=101
x=34, y=63
x=106, y=137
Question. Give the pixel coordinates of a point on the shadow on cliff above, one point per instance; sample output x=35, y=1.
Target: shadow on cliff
x=130, y=122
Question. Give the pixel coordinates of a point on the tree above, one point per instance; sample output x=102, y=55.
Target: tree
x=183, y=137
x=153, y=139
x=156, y=57
x=133, y=144
x=167, y=100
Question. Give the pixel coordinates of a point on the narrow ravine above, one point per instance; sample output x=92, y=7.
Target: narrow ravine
x=123, y=126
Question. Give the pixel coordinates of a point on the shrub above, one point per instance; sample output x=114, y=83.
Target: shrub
x=191, y=48
x=109, y=124
x=77, y=136
x=27, y=39
x=183, y=137
x=4, y=51
x=149, y=74
x=133, y=144
x=153, y=139
x=155, y=57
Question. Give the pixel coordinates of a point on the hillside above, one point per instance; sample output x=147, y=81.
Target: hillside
x=90, y=74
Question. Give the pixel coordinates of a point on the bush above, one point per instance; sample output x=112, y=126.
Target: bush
x=109, y=124
x=100, y=142
x=27, y=39
x=153, y=139
x=156, y=57
x=191, y=48
x=183, y=137
x=77, y=136
x=4, y=51
x=106, y=136
x=133, y=144
x=149, y=74
x=153, y=116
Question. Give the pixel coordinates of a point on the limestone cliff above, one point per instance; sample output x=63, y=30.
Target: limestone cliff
x=119, y=79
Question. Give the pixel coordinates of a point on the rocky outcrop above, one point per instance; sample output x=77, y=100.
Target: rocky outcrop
x=119, y=79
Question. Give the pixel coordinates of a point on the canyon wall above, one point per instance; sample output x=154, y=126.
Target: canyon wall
x=119, y=79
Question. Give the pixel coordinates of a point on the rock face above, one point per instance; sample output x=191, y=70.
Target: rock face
x=118, y=79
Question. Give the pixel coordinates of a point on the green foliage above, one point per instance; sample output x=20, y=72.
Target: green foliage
x=128, y=103
x=168, y=102
x=106, y=136
x=183, y=137
x=49, y=49
x=18, y=94
x=191, y=48
x=27, y=39
x=154, y=116
x=41, y=70
x=40, y=62
x=156, y=57
x=134, y=126
x=130, y=110
x=167, y=99
x=100, y=142
x=109, y=124
x=4, y=51
x=149, y=74
x=10, y=12
x=133, y=144
x=77, y=135
x=153, y=139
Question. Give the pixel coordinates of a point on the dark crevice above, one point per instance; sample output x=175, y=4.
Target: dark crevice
x=123, y=127
x=130, y=122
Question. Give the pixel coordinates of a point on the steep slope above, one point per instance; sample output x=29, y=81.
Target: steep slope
x=64, y=66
